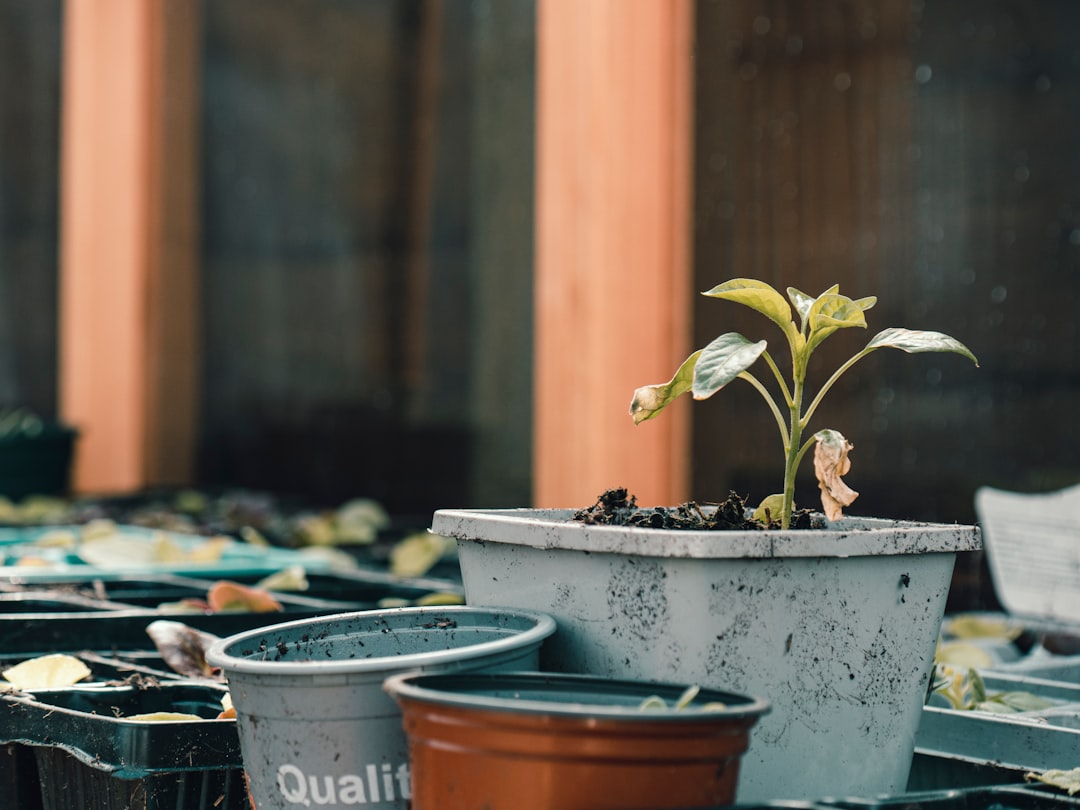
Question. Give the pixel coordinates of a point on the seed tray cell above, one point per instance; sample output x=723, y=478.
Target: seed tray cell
x=89, y=755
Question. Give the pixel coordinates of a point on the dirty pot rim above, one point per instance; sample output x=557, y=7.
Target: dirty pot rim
x=409, y=685
x=219, y=655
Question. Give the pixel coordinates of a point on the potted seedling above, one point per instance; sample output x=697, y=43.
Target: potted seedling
x=835, y=623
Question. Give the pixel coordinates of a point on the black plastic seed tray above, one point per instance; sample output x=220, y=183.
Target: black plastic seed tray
x=15, y=605
x=89, y=755
x=367, y=589
x=19, y=777
x=110, y=668
x=111, y=613
x=1007, y=797
x=121, y=627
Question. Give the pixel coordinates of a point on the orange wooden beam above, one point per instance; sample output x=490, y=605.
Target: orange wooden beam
x=613, y=264
x=126, y=244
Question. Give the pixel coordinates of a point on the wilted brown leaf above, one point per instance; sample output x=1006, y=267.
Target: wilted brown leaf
x=830, y=462
x=183, y=648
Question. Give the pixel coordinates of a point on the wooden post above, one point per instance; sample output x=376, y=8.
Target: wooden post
x=612, y=246
x=127, y=365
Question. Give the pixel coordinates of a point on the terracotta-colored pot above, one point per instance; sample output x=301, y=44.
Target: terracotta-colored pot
x=536, y=741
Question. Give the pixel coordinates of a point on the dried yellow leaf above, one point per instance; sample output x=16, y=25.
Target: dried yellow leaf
x=830, y=462
x=163, y=717
x=47, y=671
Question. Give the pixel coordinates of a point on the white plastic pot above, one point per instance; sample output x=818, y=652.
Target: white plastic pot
x=836, y=628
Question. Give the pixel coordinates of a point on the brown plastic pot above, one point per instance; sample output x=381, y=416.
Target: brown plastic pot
x=535, y=741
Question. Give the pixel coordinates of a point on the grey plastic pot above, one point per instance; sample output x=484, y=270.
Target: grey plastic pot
x=836, y=628
x=316, y=727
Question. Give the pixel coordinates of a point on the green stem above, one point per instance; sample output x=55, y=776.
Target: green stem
x=761, y=389
x=829, y=383
x=779, y=378
x=792, y=453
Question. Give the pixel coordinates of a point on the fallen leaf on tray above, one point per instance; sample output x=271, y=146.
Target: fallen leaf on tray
x=417, y=554
x=293, y=578
x=46, y=671
x=162, y=717
x=968, y=625
x=183, y=648
x=226, y=596
x=1066, y=780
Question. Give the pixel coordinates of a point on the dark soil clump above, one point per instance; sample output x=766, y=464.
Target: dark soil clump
x=617, y=507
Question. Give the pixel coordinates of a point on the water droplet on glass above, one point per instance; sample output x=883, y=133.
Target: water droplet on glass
x=842, y=81
x=794, y=45
x=1042, y=84
x=1074, y=236
x=747, y=71
x=1021, y=173
x=999, y=294
x=762, y=25
x=923, y=74
x=933, y=376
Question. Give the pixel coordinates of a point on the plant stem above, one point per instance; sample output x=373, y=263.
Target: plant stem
x=761, y=389
x=779, y=378
x=792, y=452
x=829, y=383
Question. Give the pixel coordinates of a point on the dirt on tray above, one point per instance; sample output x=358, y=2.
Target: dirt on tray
x=617, y=507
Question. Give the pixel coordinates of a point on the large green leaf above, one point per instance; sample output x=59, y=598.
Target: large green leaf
x=914, y=341
x=758, y=296
x=649, y=400
x=722, y=361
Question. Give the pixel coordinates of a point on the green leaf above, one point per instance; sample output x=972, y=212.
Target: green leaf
x=722, y=361
x=760, y=297
x=649, y=400
x=1017, y=702
x=769, y=510
x=866, y=303
x=978, y=686
x=802, y=302
x=831, y=312
x=914, y=341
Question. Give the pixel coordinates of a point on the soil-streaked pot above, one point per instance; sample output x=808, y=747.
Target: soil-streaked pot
x=533, y=741
x=316, y=727
x=836, y=628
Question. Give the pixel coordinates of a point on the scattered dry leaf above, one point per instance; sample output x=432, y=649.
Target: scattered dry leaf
x=228, y=711
x=417, y=554
x=830, y=462
x=47, y=671
x=183, y=648
x=1066, y=780
x=162, y=717
x=225, y=595
x=293, y=578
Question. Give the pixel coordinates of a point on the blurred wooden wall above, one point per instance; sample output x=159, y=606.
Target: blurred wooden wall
x=128, y=346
